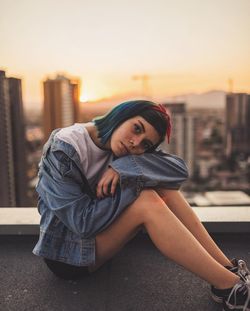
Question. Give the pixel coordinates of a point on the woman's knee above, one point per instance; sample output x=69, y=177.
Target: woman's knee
x=165, y=194
x=148, y=202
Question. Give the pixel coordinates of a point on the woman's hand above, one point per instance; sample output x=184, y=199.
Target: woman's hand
x=107, y=183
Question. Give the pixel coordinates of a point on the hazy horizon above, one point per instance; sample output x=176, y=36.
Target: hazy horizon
x=214, y=99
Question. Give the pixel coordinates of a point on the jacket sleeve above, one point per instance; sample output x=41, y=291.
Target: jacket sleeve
x=65, y=195
x=157, y=169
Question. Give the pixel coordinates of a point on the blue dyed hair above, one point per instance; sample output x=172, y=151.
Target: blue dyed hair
x=150, y=111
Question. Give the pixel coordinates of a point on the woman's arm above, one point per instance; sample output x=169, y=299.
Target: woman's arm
x=63, y=191
x=157, y=169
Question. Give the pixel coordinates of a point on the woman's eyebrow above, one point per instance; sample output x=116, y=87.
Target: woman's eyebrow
x=143, y=128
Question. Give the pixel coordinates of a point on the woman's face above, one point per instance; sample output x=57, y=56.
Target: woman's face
x=134, y=136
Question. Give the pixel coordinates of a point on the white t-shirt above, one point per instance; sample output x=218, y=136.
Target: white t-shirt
x=94, y=160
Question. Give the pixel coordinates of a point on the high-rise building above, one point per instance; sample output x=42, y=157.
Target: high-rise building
x=237, y=124
x=13, y=168
x=182, y=142
x=61, y=103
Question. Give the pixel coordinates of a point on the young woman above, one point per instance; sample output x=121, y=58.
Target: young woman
x=101, y=182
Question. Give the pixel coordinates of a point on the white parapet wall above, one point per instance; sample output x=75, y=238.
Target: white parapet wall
x=25, y=220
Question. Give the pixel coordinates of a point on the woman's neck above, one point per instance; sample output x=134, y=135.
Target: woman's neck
x=93, y=133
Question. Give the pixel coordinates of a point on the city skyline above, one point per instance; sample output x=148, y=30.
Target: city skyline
x=183, y=47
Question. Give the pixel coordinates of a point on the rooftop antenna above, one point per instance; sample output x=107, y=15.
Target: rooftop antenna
x=230, y=85
x=144, y=80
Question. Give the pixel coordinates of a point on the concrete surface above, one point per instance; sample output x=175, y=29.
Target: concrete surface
x=139, y=278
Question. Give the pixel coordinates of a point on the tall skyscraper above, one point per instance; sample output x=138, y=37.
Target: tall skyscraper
x=61, y=103
x=13, y=168
x=182, y=141
x=237, y=124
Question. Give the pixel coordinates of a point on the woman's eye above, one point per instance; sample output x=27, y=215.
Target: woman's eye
x=137, y=128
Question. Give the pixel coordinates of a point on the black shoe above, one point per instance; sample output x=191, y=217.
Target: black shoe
x=239, y=297
x=243, y=271
x=240, y=269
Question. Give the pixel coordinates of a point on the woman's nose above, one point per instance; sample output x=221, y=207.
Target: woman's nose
x=135, y=141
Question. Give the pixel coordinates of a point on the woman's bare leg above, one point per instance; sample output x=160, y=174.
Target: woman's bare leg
x=183, y=211
x=169, y=235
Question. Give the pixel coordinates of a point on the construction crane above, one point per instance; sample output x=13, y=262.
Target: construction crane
x=230, y=85
x=145, y=86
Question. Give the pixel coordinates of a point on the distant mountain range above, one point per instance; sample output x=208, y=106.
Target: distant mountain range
x=208, y=100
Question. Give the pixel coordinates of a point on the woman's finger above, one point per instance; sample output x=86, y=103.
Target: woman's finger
x=99, y=191
x=114, y=184
x=102, y=187
x=108, y=179
x=105, y=187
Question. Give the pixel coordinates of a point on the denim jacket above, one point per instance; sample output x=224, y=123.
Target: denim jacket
x=72, y=215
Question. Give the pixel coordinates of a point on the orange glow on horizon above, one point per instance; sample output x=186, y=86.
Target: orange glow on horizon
x=84, y=98
x=96, y=92
x=87, y=97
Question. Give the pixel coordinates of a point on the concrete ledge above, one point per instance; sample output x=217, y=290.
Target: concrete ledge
x=19, y=220
x=19, y=216
x=223, y=213
x=25, y=220
x=235, y=219
x=227, y=227
x=19, y=229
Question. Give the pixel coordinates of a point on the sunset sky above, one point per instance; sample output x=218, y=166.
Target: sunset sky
x=183, y=45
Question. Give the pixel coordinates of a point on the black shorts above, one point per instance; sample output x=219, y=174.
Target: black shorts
x=66, y=271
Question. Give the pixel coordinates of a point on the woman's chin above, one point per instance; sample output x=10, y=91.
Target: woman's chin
x=118, y=153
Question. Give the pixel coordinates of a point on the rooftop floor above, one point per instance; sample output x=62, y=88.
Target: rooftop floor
x=139, y=278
